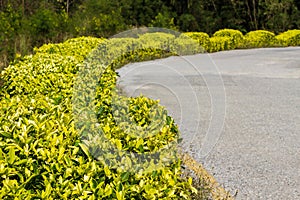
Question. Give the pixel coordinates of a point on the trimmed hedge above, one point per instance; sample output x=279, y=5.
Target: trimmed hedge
x=260, y=38
x=236, y=36
x=220, y=44
x=41, y=155
x=289, y=38
x=184, y=45
x=200, y=37
x=228, y=39
x=156, y=40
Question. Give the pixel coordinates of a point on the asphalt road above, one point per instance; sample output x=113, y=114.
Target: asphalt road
x=238, y=111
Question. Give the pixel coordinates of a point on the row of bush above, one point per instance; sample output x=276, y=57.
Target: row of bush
x=45, y=152
x=174, y=43
x=50, y=147
x=227, y=39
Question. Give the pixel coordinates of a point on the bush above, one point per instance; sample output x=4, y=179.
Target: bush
x=200, y=37
x=76, y=47
x=185, y=45
x=157, y=40
x=126, y=50
x=220, y=44
x=41, y=154
x=236, y=36
x=289, y=38
x=260, y=38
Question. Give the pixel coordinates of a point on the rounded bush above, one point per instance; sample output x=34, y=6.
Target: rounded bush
x=75, y=47
x=289, y=38
x=236, y=36
x=185, y=45
x=260, y=38
x=221, y=44
x=201, y=37
x=157, y=40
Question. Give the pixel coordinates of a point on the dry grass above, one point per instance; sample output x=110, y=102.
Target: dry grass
x=207, y=186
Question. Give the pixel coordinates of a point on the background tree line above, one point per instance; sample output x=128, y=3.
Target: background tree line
x=25, y=24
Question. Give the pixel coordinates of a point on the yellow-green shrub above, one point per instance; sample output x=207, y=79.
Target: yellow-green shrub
x=236, y=36
x=41, y=155
x=200, y=37
x=76, y=47
x=185, y=45
x=289, y=38
x=260, y=38
x=220, y=44
x=140, y=49
x=158, y=40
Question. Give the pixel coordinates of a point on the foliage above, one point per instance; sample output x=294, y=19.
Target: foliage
x=163, y=20
x=188, y=22
x=278, y=15
x=202, y=38
x=9, y=27
x=141, y=12
x=44, y=24
x=260, y=38
x=157, y=40
x=28, y=24
x=236, y=36
x=289, y=38
x=41, y=155
x=185, y=45
x=220, y=44
x=76, y=47
x=95, y=19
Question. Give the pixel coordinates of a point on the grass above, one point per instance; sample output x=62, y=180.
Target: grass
x=205, y=183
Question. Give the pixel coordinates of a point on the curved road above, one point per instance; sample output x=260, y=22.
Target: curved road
x=254, y=146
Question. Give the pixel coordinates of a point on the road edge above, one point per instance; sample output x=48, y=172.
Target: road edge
x=217, y=191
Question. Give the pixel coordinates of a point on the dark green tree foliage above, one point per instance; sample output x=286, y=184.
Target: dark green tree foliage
x=141, y=12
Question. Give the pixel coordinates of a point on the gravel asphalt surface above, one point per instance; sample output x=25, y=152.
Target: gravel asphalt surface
x=238, y=111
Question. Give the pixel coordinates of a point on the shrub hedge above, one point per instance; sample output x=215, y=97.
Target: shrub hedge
x=260, y=38
x=220, y=44
x=289, y=38
x=227, y=39
x=236, y=36
x=184, y=45
x=200, y=37
x=42, y=153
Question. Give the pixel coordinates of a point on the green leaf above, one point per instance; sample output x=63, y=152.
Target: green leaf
x=118, y=144
x=125, y=176
x=21, y=162
x=120, y=195
x=108, y=190
x=85, y=149
x=6, y=134
x=107, y=171
x=11, y=155
x=47, y=192
x=1, y=155
x=61, y=153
